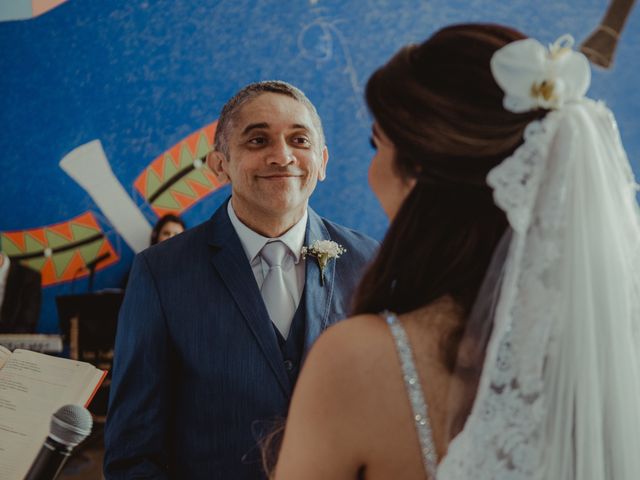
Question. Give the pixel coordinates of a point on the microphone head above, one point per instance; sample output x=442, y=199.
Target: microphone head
x=71, y=424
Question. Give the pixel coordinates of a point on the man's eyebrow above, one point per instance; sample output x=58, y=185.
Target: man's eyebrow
x=265, y=125
x=254, y=126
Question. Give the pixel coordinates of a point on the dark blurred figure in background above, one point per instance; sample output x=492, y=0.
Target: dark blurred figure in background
x=168, y=226
x=20, y=297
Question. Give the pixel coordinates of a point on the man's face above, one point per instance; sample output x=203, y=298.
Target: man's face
x=274, y=158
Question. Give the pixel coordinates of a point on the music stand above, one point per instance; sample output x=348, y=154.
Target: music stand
x=88, y=326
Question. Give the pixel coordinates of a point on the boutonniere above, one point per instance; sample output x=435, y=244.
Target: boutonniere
x=323, y=251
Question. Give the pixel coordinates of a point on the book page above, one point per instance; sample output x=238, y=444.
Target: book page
x=33, y=386
x=4, y=354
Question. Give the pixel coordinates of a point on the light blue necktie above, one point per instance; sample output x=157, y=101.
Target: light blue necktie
x=275, y=294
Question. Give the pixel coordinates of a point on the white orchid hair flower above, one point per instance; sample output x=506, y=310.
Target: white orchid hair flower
x=533, y=76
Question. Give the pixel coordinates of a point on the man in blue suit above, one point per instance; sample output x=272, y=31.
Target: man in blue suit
x=215, y=325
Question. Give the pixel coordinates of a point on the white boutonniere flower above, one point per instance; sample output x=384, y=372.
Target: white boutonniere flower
x=533, y=76
x=323, y=251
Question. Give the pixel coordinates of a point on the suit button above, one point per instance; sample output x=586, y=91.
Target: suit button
x=288, y=364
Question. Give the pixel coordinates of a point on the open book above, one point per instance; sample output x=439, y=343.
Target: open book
x=32, y=387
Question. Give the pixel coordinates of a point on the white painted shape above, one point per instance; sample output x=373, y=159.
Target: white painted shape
x=15, y=10
x=89, y=167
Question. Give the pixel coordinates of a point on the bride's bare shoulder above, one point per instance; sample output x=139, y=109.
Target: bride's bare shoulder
x=355, y=336
x=361, y=348
x=364, y=335
x=358, y=325
x=348, y=353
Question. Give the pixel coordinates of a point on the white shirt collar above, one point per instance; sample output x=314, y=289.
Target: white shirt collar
x=253, y=242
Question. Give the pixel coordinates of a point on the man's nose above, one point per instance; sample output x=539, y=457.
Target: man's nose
x=281, y=153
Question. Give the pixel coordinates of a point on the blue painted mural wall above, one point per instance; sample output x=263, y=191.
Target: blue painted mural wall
x=142, y=75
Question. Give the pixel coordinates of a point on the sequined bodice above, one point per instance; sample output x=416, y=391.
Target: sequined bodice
x=414, y=390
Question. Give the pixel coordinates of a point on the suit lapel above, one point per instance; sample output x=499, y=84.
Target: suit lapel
x=317, y=296
x=229, y=259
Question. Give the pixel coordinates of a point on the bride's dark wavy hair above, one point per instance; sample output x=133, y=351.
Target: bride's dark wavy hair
x=441, y=107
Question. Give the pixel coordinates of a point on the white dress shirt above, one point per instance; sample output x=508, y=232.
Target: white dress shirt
x=293, y=267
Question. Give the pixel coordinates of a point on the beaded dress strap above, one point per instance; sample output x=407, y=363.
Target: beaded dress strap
x=414, y=390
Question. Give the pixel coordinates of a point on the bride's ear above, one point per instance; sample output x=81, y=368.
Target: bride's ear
x=410, y=183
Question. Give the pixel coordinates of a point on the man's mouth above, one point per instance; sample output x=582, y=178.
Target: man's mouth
x=279, y=175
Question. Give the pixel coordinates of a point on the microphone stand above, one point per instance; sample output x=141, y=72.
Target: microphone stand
x=91, y=266
x=92, y=271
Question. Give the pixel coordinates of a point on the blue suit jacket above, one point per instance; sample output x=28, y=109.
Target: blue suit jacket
x=198, y=375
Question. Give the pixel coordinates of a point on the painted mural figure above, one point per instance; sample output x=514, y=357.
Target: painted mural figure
x=601, y=45
x=20, y=297
x=496, y=333
x=217, y=321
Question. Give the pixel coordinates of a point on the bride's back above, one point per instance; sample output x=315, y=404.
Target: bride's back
x=362, y=402
x=392, y=446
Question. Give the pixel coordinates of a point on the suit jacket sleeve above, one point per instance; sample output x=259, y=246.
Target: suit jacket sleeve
x=136, y=441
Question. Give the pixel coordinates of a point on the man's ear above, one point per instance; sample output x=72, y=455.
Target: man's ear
x=216, y=161
x=322, y=172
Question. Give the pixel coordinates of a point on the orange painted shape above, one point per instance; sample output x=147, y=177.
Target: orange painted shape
x=38, y=7
x=184, y=200
x=141, y=184
x=198, y=188
x=86, y=220
x=207, y=131
x=191, y=142
x=106, y=248
x=17, y=238
x=62, y=229
x=39, y=235
x=75, y=268
x=75, y=264
x=48, y=273
x=210, y=131
x=174, y=154
x=158, y=166
x=161, y=211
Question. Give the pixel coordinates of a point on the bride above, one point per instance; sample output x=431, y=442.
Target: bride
x=496, y=335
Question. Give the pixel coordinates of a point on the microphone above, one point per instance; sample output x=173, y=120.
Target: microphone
x=70, y=425
x=94, y=263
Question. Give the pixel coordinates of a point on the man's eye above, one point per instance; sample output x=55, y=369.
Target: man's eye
x=301, y=141
x=257, y=141
x=373, y=143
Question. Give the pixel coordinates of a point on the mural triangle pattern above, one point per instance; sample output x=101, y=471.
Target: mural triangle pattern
x=60, y=251
x=167, y=184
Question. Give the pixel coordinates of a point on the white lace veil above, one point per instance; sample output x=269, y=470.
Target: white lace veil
x=556, y=326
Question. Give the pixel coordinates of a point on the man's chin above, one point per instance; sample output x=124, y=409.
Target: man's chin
x=286, y=206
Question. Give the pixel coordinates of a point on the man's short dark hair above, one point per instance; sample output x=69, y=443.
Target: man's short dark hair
x=251, y=91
